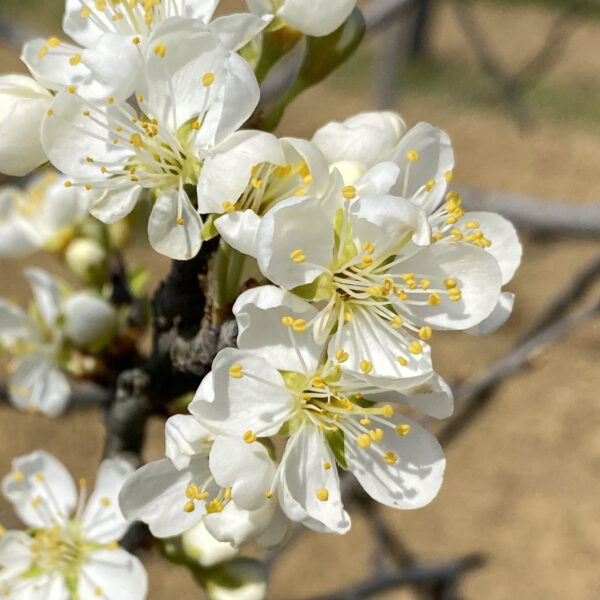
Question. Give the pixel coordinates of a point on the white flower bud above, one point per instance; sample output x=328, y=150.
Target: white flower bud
x=87, y=259
x=238, y=580
x=89, y=320
x=203, y=547
x=23, y=104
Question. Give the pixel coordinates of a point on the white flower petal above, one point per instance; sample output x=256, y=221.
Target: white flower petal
x=240, y=230
x=496, y=318
x=479, y=280
x=203, y=547
x=296, y=226
x=413, y=480
x=308, y=492
x=113, y=573
x=379, y=179
x=156, y=495
x=46, y=293
x=166, y=234
x=40, y=489
x=322, y=18
x=227, y=171
x=276, y=530
x=258, y=402
x=505, y=248
x=245, y=468
x=15, y=555
x=259, y=313
x=115, y=204
x=296, y=150
x=367, y=138
x=13, y=321
x=235, y=31
x=84, y=30
x=102, y=519
x=89, y=319
x=36, y=385
x=184, y=439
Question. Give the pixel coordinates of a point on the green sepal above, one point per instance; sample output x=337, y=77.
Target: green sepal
x=209, y=231
x=321, y=288
x=336, y=442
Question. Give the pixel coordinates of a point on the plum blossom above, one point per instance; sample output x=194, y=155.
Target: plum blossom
x=218, y=481
x=70, y=550
x=35, y=343
x=192, y=99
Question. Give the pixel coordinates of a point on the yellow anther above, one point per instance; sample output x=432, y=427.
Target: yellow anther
x=425, y=284
x=307, y=179
x=387, y=411
x=72, y=89
x=105, y=501
x=455, y=294
x=366, y=422
x=208, y=79
x=192, y=491
x=75, y=60
x=450, y=283
x=425, y=333
x=408, y=276
x=228, y=207
x=160, y=50
x=282, y=171
x=18, y=476
x=434, y=299
x=111, y=100
x=299, y=325
x=68, y=184
x=50, y=112
x=112, y=546
x=396, y=322
x=189, y=507
x=39, y=477
x=98, y=591
x=236, y=372
x=86, y=113
x=364, y=441
x=402, y=295
x=368, y=247
x=456, y=235
x=415, y=348
x=256, y=183
x=140, y=98
x=202, y=496
x=376, y=435
x=323, y=495
x=53, y=42
x=472, y=225
x=390, y=458
x=85, y=12
x=300, y=192
x=288, y=321
x=136, y=40
x=366, y=366
x=100, y=5
x=115, y=140
x=268, y=495
x=255, y=169
x=367, y=260
x=88, y=187
x=322, y=427
x=43, y=51
x=436, y=237
x=82, y=482
x=36, y=502
x=412, y=155
x=349, y=192
x=347, y=316
x=214, y=506
x=341, y=355
x=228, y=494
x=451, y=220
x=306, y=396
x=136, y=140
x=402, y=429
x=249, y=437
x=327, y=466
x=430, y=185
x=375, y=290
x=196, y=125
x=298, y=256
x=449, y=175
x=318, y=382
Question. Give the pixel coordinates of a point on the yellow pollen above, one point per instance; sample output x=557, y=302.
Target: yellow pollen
x=323, y=495
x=160, y=50
x=88, y=187
x=434, y=299
x=300, y=192
x=136, y=140
x=307, y=179
x=376, y=435
x=192, y=491
x=450, y=283
x=115, y=140
x=472, y=225
x=368, y=246
x=235, y=371
x=112, y=546
x=196, y=125
x=415, y=348
x=298, y=256
x=449, y=175
x=43, y=51
x=68, y=184
x=98, y=591
x=341, y=355
x=425, y=333
x=349, y=192
x=180, y=221
x=455, y=294
x=72, y=89
x=366, y=366
x=396, y=322
x=111, y=100
x=36, y=502
x=140, y=98
x=75, y=60
x=364, y=441
x=105, y=501
x=451, y=220
x=402, y=295
x=425, y=284
x=287, y=321
x=255, y=170
x=390, y=458
x=306, y=397
x=256, y=183
x=39, y=477
x=189, y=507
x=208, y=79
x=388, y=411
x=327, y=466
x=249, y=437
x=86, y=113
x=430, y=185
x=412, y=155
x=375, y=290
x=215, y=506
x=100, y=5
x=85, y=13
x=18, y=476
x=268, y=495
x=50, y=112
x=402, y=429
x=228, y=493
x=347, y=316
x=367, y=260
x=136, y=40
x=366, y=422
x=228, y=207
x=318, y=382
x=299, y=326
x=456, y=235
x=53, y=42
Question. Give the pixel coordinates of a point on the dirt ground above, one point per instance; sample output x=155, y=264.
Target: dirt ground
x=523, y=482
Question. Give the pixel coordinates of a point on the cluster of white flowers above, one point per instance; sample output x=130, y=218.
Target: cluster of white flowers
x=360, y=249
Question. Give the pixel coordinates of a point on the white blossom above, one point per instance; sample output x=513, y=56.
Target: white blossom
x=43, y=215
x=23, y=104
x=70, y=550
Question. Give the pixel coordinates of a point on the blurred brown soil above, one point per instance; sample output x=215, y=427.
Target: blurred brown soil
x=523, y=482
